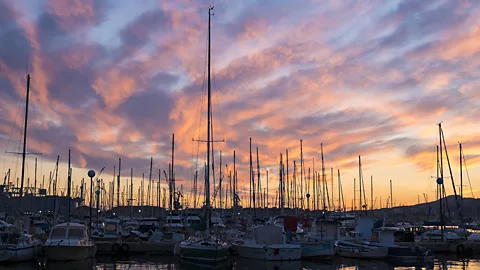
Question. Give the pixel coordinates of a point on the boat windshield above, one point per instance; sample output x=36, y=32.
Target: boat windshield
x=111, y=228
x=193, y=221
x=59, y=233
x=75, y=233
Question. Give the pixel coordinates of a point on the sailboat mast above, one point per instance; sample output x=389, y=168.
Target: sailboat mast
x=440, y=179
x=251, y=174
x=131, y=192
x=259, y=182
x=118, y=181
x=301, y=174
x=35, y=185
x=69, y=179
x=288, y=182
x=172, y=176
x=220, y=180
x=234, y=195
x=150, y=187
x=280, y=188
x=360, y=182
x=209, y=119
x=323, y=177
x=25, y=136
x=267, y=191
x=332, y=193
x=461, y=173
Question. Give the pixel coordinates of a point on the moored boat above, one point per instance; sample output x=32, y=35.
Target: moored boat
x=68, y=242
x=18, y=247
x=204, y=249
x=359, y=250
x=266, y=243
x=384, y=237
x=319, y=241
x=111, y=231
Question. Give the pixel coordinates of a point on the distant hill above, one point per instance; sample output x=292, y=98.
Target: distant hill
x=431, y=210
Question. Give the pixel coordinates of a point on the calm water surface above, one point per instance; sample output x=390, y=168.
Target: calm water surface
x=172, y=263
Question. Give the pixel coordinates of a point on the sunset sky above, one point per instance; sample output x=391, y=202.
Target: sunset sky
x=114, y=79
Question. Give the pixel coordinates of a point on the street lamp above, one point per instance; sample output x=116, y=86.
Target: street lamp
x=91, y=174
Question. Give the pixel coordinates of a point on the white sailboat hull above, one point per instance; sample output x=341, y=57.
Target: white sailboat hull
x=19, y=253
x=362, y=253
x=280, y=252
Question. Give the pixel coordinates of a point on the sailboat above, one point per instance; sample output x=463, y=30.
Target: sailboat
x=206, y=248
x=17, y=246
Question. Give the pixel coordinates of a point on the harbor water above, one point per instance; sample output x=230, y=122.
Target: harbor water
x=237, y=263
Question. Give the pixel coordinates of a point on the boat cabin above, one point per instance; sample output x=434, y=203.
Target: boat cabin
x=384, y=236
x=71, y=233
x=326, y=229
x=111, y=227
x=192, y=220
x=147, y=224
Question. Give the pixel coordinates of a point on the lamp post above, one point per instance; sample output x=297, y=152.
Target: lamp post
x=91, y=174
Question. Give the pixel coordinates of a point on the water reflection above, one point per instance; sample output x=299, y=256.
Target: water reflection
x=236, y=263
x=247, y=264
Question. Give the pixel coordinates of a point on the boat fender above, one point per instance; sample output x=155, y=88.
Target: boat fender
x=115, y=247
x=460, y=248
x=125, y=248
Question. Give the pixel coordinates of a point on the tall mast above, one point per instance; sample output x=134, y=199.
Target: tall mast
x=267, y=190
x=69, y=179
x=150, y=190
x=258, y=179
x=323, y=177
x=195, y=179
x=288, y=187
x=131, y=192
x=440, y=171
x=340, y=192
x=301, y=173
x=308, y=189
x=172, y=176
x=159, y=189
x=461, y=173
x=170, y=196
x=333, y=193
x=118, y=181
x=280, y=195
x=314, y=183
x=295, y=205
x=113, y=185
x=231, y=188
x=209, y=120
x=25, y=137
x=360, y=182
x=35, y=185
x=220, y=180
x=251, y=173
x=234, y=196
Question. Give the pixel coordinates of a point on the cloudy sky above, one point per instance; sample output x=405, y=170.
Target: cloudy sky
x=114, y=79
